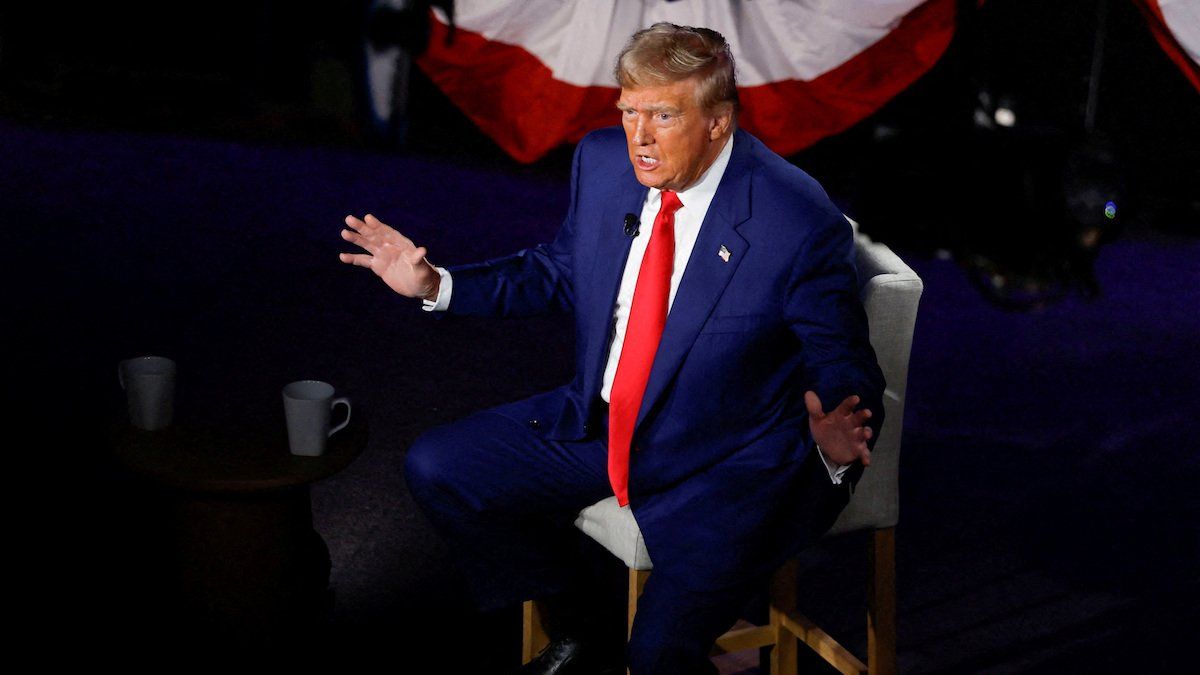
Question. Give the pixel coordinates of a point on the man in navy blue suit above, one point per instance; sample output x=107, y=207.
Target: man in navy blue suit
x=716, y=307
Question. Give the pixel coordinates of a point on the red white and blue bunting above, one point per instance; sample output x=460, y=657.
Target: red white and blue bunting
x=533, y=74
x=1176, y=27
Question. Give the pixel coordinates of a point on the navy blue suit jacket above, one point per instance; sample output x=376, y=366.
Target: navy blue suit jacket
x=717, y=484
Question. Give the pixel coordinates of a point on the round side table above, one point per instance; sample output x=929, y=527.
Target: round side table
x=251, y=570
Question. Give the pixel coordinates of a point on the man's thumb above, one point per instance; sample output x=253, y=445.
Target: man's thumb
x=813, y=403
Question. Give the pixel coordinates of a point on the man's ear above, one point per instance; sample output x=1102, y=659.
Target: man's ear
x=722, y=121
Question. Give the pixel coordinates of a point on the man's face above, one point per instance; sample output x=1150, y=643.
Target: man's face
x=672, y=139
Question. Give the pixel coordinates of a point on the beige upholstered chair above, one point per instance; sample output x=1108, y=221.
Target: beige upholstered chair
x=890, y=292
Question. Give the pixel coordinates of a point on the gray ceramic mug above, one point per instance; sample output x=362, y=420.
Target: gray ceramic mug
x=149, y=384
x=308, y=404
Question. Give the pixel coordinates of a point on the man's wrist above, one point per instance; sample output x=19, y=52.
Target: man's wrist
x=438, y=299
x=432, y=294
x=835, y=470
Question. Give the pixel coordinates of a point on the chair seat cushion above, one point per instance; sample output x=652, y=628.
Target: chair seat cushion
x=616, y=530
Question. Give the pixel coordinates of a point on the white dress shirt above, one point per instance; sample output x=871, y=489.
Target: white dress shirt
x=688, y=219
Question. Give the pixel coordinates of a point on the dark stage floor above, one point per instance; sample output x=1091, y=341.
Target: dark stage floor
x=1049, y=511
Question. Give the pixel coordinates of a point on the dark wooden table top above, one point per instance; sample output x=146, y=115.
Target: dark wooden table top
x=241, y=457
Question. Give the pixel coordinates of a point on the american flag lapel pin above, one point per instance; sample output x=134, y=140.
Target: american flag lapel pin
x=724, y=253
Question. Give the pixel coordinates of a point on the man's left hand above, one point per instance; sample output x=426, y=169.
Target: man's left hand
x=843, y=433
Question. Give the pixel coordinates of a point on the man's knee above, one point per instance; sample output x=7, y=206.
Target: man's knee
x=427, y=465
x=467, y=463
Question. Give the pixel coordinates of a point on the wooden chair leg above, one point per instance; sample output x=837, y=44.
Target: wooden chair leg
x=783, y=603
x=637, y=582
x=787, y=626
x=533, y=631
x=881, y=603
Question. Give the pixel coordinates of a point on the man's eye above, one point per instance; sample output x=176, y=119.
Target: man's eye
x=664, y=117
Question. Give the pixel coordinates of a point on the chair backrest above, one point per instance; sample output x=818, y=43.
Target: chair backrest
x=890, y=292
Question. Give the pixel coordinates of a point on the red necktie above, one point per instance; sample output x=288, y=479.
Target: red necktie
x=647, y=316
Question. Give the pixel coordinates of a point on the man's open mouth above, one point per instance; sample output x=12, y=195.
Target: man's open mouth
x=646, y=162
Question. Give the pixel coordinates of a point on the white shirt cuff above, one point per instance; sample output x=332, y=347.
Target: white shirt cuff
x=442, y=302
x=836, y=471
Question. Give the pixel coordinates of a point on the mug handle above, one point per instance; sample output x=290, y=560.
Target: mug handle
x=334, y=402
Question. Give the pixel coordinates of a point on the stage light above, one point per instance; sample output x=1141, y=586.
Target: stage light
x=1005, y=117
x=1110, y=210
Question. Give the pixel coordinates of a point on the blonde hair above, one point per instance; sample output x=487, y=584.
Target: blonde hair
x=666, y=53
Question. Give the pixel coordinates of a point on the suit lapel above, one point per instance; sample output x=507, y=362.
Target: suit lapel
x=611, y=252
x=707, y=272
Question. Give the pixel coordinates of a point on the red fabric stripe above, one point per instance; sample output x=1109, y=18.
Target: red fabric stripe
x=1166, y=40
x=791, y=115
x=511, y=95
x=514, y=99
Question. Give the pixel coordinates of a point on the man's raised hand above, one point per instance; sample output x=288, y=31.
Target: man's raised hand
x=392, y=257
x=843, y=432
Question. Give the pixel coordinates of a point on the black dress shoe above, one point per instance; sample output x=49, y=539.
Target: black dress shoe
x=570, y=656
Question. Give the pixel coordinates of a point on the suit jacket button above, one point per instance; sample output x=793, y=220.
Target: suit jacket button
x=534, y=424
x=587, y=428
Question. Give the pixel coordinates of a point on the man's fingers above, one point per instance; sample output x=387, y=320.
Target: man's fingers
x=359, y=259
x=375, y=223
x=366, y=226
x=416, y=255
x=847, y=406
x=368, y=244
x=813, y=403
